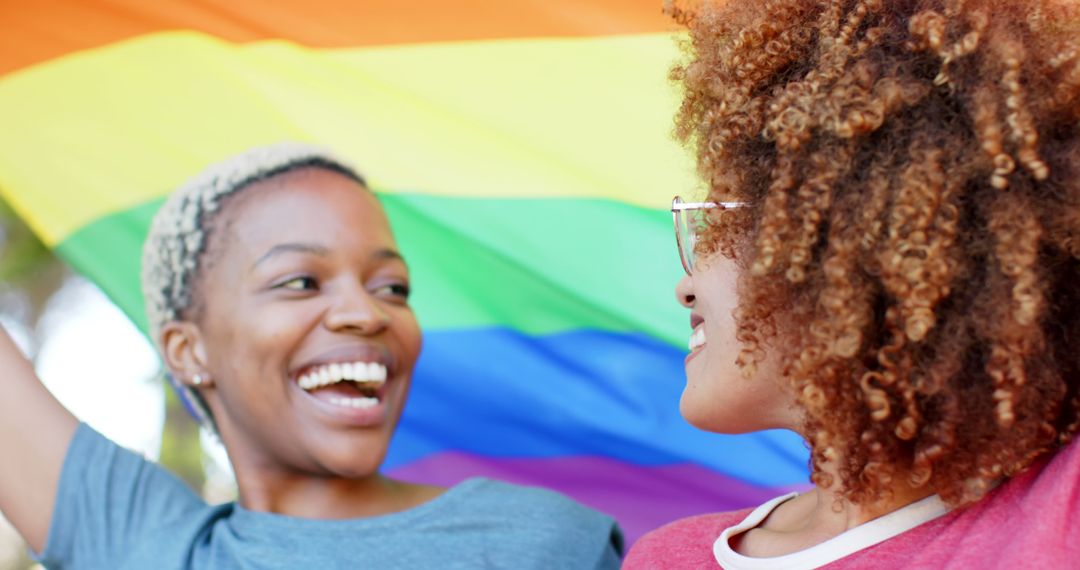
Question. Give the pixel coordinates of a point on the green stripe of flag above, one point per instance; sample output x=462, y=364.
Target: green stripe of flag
x=537, y=266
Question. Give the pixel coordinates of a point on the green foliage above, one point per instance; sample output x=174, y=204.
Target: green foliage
x=28, y=270
x=22, y=254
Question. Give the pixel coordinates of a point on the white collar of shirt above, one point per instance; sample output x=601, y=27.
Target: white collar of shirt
x=837, y=547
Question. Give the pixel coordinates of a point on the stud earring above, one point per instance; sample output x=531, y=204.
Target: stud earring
x=197, y=380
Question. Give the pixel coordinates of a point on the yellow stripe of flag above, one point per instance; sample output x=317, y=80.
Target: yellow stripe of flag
x=100, y=131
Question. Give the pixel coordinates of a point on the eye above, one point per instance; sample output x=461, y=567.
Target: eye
x=301, y=283
x=399, y=291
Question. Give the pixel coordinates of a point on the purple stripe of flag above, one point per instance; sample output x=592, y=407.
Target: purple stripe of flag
x=641, y=498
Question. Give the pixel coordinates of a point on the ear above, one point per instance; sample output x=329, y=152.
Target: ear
x=184, y=351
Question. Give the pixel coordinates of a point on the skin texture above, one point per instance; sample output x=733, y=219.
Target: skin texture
x=34, y=434
x=717, y=393
x=301, y=269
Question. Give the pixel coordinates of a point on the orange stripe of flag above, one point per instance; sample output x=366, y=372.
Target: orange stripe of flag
x=42, y=30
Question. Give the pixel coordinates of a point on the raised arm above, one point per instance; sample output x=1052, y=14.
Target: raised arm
x=35, y=431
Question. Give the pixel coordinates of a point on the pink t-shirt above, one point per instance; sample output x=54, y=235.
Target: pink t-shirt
x=1031, y=521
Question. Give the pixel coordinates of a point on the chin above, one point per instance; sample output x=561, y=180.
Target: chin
x=694, y=415
x=712, y=420
x=358, y=465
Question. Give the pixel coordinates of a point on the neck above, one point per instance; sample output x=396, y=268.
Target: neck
x=311, y=497
x=817, y=516
x=324, y=497
x=290, y=482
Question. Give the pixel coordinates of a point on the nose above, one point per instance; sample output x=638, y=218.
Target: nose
x=684, y=291
x=355, y=311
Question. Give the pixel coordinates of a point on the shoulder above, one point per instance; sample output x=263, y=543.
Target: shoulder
x=1051, y=484
x=92, y=451
x=535, y=501
x=537, y=506
x=542, y=515
x=1048, y=492
x=1067, y=460
x=1029, y=521
x=110, y=500
x=685, y=543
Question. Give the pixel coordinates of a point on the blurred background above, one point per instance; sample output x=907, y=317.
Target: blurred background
x=98, y=364
x=522, y=151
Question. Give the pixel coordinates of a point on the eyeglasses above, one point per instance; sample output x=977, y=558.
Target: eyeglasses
x=690, y=220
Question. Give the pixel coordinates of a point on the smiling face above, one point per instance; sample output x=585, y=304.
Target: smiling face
x=717, y=397
x=303, y=325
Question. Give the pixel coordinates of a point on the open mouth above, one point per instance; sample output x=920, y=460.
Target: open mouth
x=345, y=384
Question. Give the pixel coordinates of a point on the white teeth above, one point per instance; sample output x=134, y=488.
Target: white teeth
x=697, y=338
x=367, y=372
x=361, y=403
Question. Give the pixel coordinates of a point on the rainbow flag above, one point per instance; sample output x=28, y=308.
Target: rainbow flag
x=522, y=151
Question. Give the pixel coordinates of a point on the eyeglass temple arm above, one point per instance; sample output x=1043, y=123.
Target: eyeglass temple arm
x=679, y=206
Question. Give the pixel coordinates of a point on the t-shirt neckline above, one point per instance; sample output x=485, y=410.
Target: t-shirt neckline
x=846, y=543
x=264, y=521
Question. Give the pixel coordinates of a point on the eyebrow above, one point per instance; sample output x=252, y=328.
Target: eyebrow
x=283, y=248
x=319, y=250
x=388, y=254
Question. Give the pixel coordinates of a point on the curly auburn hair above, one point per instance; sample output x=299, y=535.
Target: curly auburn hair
x=914, y=174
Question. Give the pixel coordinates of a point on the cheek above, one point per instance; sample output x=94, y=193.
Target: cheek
x=714, y=372
x=253, y=351
x=251, y=346
x=693, y=404
x=718, y=398
x=703, y=394
x=407, y=331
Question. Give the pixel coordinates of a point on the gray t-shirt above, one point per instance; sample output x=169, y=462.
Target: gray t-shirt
x=116, y=510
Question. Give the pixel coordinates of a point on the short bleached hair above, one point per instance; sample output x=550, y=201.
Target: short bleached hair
x=179, y=233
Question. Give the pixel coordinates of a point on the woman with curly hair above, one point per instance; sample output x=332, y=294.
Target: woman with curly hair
x=889, y=264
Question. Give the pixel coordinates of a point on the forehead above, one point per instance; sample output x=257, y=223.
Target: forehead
x=309, y=204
